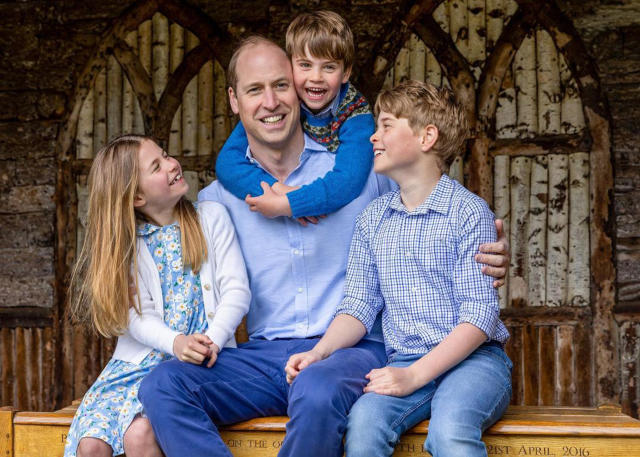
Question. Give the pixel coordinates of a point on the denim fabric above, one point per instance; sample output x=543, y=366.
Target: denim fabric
x=461, y=404
x=185, y=402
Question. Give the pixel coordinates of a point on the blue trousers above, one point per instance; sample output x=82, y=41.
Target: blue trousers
x=461, y=404
x=185, y=402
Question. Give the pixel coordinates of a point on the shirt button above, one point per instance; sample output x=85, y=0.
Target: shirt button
x=210, y=315
x=207, y=286
x=300, y=290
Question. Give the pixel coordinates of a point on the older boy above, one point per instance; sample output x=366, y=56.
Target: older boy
x=334, y=114
x=412, y=258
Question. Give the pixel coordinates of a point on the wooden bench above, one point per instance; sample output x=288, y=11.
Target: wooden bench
x=523, y=431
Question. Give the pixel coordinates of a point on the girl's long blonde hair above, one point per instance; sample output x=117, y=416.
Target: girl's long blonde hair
x=103, y=274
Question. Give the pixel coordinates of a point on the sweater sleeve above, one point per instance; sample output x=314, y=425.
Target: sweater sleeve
x=338, y=187
x=230, y=280
x=237, y=174
x=148, y=327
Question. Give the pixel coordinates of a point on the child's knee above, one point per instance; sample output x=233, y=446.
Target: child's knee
x=93, y=447
x=139, y=435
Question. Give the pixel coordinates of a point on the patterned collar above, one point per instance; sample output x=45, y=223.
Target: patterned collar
x=439, y=199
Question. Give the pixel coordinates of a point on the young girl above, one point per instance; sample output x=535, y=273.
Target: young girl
x=190, y=282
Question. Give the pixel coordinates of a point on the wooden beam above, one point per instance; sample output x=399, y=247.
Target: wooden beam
x=26, y=317
x=540, y=145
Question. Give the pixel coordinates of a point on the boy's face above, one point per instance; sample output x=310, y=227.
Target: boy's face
x=395, y=146
x=318, y=79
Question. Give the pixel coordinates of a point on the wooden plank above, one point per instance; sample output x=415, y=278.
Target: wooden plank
x=100, y=111
x=128, y=108
x=417, y=58
x=221, y=117
x=159, y=53
x=537, y=232
x=114, y=98
x=506, y=111
x=546, y=365
x=524, y=69
x=84, y=136
x=190, y=107
x=401, y=66
x=6, y=432
x=578, y=275
x=548, y=77
x=205, y=109
x=477, y=36
x=566, y=365
x=514, y=350
x=176, y=54
x=8, y=378
x=520, y=188
x=21, y=379
x=531, y=366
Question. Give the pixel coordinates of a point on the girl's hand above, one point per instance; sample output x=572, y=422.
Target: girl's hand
x=213, y=354
x=300, y=361
x=394, y=381
x=192, y=348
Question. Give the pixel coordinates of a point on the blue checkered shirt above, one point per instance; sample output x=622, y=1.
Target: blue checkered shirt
x=418, y=268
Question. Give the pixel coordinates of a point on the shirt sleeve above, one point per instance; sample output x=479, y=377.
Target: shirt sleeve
x=362, y=297
x=338, y=187
x=236, y=173
x=474, y=290
x=231, y=280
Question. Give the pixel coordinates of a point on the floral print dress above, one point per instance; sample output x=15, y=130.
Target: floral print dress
x=111, y=403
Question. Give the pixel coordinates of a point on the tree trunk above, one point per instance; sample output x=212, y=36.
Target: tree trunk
x=557, y=234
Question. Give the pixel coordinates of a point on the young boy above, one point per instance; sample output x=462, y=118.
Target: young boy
x=411, y=257
x=334, y=114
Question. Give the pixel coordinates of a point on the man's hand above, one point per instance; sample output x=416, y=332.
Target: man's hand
x=193, y=348
x=269, y=204
x=495, y=256
x=300, y=361
x=394, y=381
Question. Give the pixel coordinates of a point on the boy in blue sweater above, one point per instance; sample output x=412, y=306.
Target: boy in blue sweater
x=334, y=114
x=412, y=258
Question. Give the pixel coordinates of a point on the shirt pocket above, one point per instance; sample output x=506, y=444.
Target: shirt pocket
x=438, y=259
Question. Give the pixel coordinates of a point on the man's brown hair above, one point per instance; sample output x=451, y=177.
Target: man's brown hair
x=424, y=104
x=324, y=33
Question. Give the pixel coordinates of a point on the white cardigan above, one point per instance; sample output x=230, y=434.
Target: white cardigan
x=225, y=289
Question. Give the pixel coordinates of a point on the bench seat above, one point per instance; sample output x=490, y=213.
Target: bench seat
x=523, y=431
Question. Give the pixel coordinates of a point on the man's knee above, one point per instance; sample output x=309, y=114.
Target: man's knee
x=317, y=388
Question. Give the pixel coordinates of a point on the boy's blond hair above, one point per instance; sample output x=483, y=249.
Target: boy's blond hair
x=324, y=33
x=424, y=104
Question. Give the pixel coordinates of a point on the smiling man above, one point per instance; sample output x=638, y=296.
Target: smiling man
x=296, y=275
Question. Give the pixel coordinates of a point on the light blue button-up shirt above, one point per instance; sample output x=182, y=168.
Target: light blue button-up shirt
x=418, y=268
x=296, y=273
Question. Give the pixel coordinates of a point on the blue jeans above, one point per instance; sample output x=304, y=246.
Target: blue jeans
x=184, y=401
x=461, y=404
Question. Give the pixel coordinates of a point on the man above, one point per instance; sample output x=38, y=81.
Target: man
x=296, y=275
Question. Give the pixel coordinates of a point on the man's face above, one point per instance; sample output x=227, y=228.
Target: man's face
x=265, y=97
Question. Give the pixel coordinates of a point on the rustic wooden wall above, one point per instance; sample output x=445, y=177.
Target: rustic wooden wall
x=45, y=47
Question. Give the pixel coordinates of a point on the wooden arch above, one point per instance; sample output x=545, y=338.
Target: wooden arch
x=157, y=115
x=416, y=17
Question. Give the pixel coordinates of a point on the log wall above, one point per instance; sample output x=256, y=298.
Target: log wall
x=47, y=47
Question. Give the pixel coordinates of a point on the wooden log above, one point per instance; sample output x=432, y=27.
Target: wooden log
x=190, y=107
x=114, y=98
x=558, y=230
x=441, y=16
x=100, y=111
x=477, y=36
x=506, y=111
x=29, y=364
x=7, y=362
x=176, y=54
x=537, y=232
x=458, y=25
x=160, y=53
x=84, y=135
x=128, y=97
x=82, y=192
x=194, y=185
x=205, y=109
x=6, y=437
x=21, y=379
x=510, y=8
x=417, y=58
x=520, y=189
x=433, y=71
x=524, y=70
x=48, y=364
x=578, y=281
x=530, y=362
x=548, y=75
x=565, y=358
x=221, y=117
x=546, y=365
x=388, y=79
x=401, y=66
x=502, y=208
x=495, y=22
x=514, y=351
x=572, y=114
x=144, y=45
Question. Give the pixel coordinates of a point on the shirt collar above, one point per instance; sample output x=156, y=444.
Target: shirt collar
x=330, y=110
x=310, y=147
x=439, y=199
